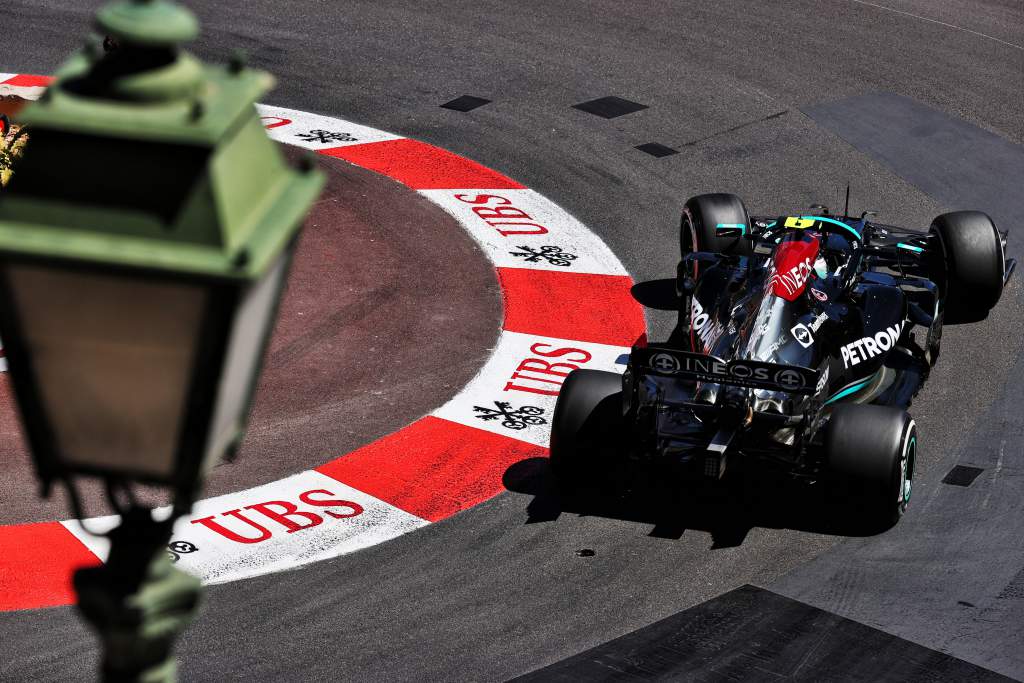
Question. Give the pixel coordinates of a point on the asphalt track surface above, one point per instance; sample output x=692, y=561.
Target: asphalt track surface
x=499, y=590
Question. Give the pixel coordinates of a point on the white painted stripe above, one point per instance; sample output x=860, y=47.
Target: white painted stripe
x=23, y=91
x=219, y=558
x=529, y=357
x=514, y=226
x=316, y=132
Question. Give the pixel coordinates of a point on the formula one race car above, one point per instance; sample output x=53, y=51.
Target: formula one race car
x=800, y=344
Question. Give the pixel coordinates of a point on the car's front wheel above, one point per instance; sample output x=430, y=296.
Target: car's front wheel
x=587, y=426
x=714, y=222
x=968, y=265
x=871, y=453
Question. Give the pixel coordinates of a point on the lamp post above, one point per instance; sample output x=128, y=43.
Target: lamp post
x=144, y=243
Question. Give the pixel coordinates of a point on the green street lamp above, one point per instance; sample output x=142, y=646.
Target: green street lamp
x=145, y=239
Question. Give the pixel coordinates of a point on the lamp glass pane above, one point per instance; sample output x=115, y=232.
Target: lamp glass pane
x=113, y=356
x=249, y=333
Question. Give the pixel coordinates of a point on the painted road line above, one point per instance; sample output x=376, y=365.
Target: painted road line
x=524, y=229
x=557, y=318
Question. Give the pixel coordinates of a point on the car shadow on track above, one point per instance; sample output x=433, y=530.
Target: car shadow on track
x=726, y=511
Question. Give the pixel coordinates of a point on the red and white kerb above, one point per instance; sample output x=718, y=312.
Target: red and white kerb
x=567, y=306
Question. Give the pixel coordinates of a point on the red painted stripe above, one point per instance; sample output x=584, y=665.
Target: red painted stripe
x=36, y=564
x=433, y=468
x=422, y=166
x=29, y=81
x=580, y=306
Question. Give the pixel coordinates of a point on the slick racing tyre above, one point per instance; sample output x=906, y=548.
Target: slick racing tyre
x=871, y=451
x=586, y=427
x=968, y=265
x=700, y=225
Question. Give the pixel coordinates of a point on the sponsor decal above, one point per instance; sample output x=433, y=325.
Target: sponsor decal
x=792, y=265
x=774, y=348
x=744, y=373
x=700, y=322
x=664, y=362
x=802, y=335
x=279, y=515
x=511, y=418
x=325, y=136
x=545, y=377
x=868, y=347
x=822, y=382
x=793, y=280
x=552, y=254
x=819, y=295
x=789, y=379
x=499, y=213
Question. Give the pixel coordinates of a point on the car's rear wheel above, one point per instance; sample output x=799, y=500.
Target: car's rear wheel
x=704, y=219
x=968, y=265
x=587, y=427
x=871, y=452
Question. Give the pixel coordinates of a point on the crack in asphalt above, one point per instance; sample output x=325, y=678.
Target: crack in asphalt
x=736, y=128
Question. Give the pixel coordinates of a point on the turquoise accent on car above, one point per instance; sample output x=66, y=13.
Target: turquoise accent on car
x=849, y=390
x=727, y=226
x=841, y=224
x=911, y=456
x=911, y=247
x=770, y=225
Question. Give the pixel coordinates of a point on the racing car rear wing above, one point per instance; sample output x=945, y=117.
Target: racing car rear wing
x=662, y=360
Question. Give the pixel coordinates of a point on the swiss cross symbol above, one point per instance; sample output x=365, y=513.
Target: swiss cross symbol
x=550, y=253
x=512, y=418
x=325, y=136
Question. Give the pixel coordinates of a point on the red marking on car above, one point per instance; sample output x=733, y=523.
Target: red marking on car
x=793, y=263
x=277, y=121
x=422, y=166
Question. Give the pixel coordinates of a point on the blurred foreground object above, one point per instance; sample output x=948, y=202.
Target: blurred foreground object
x=12, y=142
x=144, y=244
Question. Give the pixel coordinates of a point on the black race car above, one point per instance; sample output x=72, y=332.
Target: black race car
x=800, y=344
